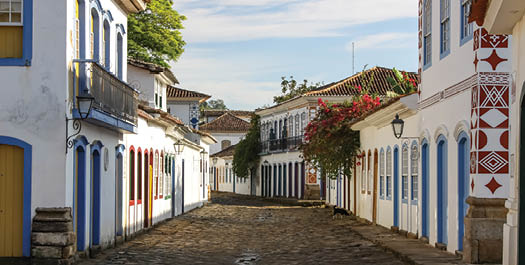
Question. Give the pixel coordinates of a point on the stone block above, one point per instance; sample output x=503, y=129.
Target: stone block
x=53, y=215
x=490, y=251
x=53, y=239
x=483, y=228
x=412, y=235
x=52, y=226
x=46, y=252
x=68, y=252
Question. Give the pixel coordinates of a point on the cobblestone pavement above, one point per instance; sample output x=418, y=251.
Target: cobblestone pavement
x=236, y=229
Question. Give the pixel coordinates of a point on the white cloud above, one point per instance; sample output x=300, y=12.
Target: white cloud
x=385, y=40
x=237, y=20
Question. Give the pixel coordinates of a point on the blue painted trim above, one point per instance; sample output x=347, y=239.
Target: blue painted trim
x=396, y=185
x=424, y=188
x=279, y=186
x=274, y=181
x=463, y=39
x=27, y=39
x=95, y=7
x=444, y=54
x=96, y=4
x=26, y=212
x=427, y=65
x=121, y=29
x=97, y=116
x=442, y=189
x=80, y=143
x=96, y=154
x=463, y=183
x=108, y=15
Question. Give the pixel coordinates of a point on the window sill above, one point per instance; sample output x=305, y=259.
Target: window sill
x=131, y=202
x=426, y=66
x=444, y=54
x=15, y=62
x=413, y=202
x=405, y=201
x=167, y=197
x=464, y=40
x=389, y=198
x=381, y=197
x=139, y=202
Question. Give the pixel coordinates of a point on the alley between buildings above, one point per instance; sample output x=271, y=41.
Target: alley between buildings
x=237, y=229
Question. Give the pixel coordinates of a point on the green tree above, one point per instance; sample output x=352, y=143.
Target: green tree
x=154, y=34
x=291, y=88
x=216, y=104
x=246, y=157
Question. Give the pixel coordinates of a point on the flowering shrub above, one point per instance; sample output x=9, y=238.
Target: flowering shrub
x=330, y=143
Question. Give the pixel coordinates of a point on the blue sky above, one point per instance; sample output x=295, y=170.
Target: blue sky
x=237, y=50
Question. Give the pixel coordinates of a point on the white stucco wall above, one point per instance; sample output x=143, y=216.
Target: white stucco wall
x=234, y=138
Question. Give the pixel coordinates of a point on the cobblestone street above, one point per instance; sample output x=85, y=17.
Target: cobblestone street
x=246, y=230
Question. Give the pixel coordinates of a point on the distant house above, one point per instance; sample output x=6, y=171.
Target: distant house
x=185, y=104
x=211, y=114
x=222, y=176
x=227, y=129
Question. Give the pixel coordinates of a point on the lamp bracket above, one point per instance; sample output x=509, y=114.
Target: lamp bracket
x=77, y=127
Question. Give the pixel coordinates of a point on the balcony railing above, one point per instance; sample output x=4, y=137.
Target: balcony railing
x=111, y=94
x=281, y=145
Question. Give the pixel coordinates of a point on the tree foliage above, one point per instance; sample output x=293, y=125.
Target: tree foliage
x=291, y=88
x=154, y=34
x=215, y=104
x=247, y=151
x=330, y=143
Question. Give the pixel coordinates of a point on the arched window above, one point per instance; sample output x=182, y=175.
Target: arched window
x=225, y=144
x=94, y=34
x=382, y=174
x=106, y=44
x=404, y=173
x=290, y=125
x=132, y=176
x=389, y=173
x=139, y=178
x=161, y=175
x=414, y=162
x=120, y=55
x=369, y=172
x=297, y=125
x=303, y=122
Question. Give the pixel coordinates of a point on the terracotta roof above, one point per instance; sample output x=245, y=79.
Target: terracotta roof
x=153, y=68
x=375, y=78
x=146, y=111
x=238, y=113
x=175, y=92
x=226, y=123
x=228, y=151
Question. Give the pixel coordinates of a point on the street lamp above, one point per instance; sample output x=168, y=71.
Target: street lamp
x=397, y=126
x=178, y=146
x=84, y=105
x=214, y=160
x=266, y=162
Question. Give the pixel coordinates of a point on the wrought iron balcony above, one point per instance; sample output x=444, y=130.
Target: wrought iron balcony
x=112, y=95
x=281, y=145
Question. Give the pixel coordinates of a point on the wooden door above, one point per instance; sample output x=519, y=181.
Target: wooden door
x=11, y=200
x=374, y=208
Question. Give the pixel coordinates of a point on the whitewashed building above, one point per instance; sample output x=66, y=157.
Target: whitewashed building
x=507, y=17
x=223, y=178
x=185, y=104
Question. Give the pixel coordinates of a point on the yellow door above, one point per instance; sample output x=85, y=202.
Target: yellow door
x=11, y=200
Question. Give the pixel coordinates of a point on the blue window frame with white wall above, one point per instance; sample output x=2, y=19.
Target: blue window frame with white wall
x=389, y=173
x=442, y=188
x=414, y=182
x=466, y=27
x=16, y=25
x=382, y=174
x=444, y=25
x=404, y=174
x=427, y=34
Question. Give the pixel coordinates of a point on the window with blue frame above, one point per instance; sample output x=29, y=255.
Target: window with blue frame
x=382, y=175
x=445, y=27
x=389, y=174
x=16, y=26
x=466, y=27
x=404, y=173
x=427, y=33
x=414, y=162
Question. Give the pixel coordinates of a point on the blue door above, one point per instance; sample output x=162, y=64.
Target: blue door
x=274, y=180
x=442, y=190
x=80, y=198
x=396, y=187
x=284, y=180
x=424, y=190
x=279, y=190
x=463, y=179
x=95, y=232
